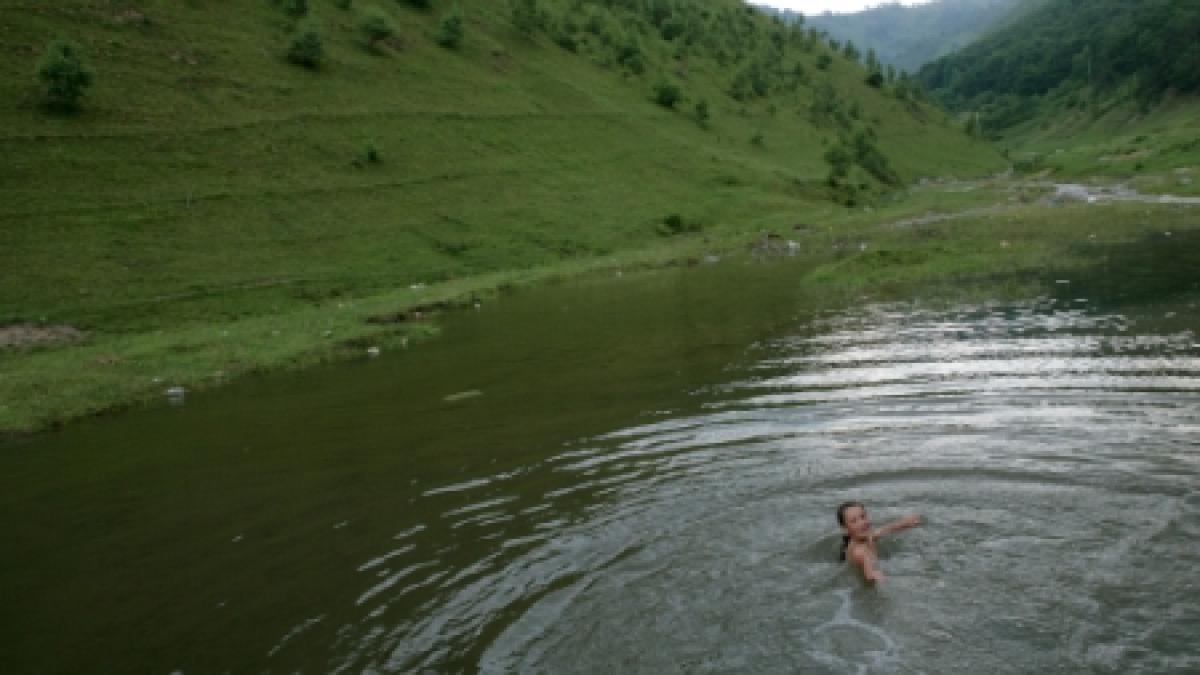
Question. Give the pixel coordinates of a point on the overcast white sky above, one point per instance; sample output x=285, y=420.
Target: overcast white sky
x=819, y=6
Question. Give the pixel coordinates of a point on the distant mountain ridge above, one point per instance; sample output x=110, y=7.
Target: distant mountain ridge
x=908, y=37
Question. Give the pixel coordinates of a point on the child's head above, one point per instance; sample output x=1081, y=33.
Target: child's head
x=852, y=516
x=844, y=514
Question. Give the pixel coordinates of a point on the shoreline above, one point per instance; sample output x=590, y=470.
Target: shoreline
x=47, y=387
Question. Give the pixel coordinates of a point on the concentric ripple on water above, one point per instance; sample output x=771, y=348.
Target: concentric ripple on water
x=1053, y=453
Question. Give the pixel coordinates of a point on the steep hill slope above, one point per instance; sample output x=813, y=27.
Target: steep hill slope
x=200, y=154
x=259, y=157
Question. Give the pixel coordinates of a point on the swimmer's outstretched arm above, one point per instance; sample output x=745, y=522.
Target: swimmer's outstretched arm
x=904, y=523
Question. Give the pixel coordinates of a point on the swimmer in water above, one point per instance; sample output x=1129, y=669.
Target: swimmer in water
x=858, y=542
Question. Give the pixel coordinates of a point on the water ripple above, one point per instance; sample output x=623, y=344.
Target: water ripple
x=1049, y=447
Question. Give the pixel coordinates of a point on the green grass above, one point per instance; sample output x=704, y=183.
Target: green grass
x=207, y=186
x=1155, y=150
x=853, y=251
x=1009, y=240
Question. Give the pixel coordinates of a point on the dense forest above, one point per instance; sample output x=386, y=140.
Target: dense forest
x=1073, y=53
x=909, y=37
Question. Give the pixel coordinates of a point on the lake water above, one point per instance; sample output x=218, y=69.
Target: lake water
x=639, y=474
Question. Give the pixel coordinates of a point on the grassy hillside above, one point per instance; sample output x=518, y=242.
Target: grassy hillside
x=1155, y=151
x=208, y=191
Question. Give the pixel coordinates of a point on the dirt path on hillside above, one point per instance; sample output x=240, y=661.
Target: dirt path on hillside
x=30, y=335
x=1052, y=194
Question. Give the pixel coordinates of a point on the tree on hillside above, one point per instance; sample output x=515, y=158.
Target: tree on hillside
x=903, y=88
x=296, y=8
x=526, y=17
x=874, y=70
x=629, y=54
x=63, y=75
x=701, y=114
x=667, y=94
x=1081, y=65
x=307, y=48
x=450, y=31
x=972, y=125
x=375, y=26
x=850, y=51
x=839, y=160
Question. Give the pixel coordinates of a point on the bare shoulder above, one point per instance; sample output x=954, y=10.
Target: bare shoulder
x=857, y=553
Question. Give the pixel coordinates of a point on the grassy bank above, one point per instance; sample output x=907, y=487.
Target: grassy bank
x=1008, y=239
x=1155, y=150
x=915, y=239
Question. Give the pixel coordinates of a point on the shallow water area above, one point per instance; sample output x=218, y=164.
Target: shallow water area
x=639, y=474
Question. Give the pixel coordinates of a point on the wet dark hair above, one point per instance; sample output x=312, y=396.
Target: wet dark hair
x=841, y=516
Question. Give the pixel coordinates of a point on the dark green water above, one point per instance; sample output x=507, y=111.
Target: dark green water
x=639, y=475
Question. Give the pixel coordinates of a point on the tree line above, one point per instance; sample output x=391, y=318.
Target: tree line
x=1070, y=52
